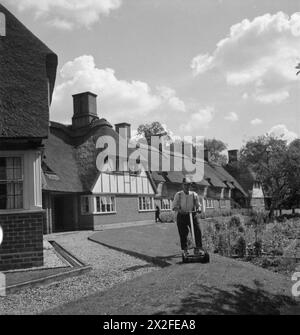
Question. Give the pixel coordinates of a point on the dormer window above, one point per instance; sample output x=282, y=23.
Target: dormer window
x=2, y=25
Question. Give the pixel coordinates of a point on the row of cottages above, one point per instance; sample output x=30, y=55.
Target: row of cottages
x=48, y=177
x=218, y=190
x=27, y=78
x=77, y=196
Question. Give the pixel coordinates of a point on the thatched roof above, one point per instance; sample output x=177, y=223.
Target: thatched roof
x=214, y=175
x=26, y=65
x=227, y=178
x=61, y=173
x=245, y=176
x=69, y=163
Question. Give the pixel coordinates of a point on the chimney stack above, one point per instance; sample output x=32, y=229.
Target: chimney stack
x=124, y=129
x=233, y=156
x=85, y=109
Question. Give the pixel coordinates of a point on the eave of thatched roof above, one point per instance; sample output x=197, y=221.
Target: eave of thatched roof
x=26, y=67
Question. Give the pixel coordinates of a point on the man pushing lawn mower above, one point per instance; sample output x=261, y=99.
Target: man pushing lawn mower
x=186, y=204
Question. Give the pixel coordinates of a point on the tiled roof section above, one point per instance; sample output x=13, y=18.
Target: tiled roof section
x=26, y=65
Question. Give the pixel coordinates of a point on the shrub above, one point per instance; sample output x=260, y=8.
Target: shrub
x=270, y=262
x=240, y=248
x=277, y=252
x=167, y=217
x=234, y=222
x=222, y=244
x=258, y=248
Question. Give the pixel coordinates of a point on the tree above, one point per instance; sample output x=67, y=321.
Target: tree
x=215, y=148
x=267, y=157
x=155, y=128
x=293, y=174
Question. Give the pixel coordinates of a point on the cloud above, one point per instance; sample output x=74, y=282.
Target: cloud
x=260, y=54
x=281, y=131
x=120, y=99
x=200, y=119
x=256, y=122
x=66, y=14
x=232, y=116
x=202, y=63
x=169, y=96
x=61, y=24
x=275, y=97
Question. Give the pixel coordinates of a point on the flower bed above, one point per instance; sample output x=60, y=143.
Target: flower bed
x=251, y=238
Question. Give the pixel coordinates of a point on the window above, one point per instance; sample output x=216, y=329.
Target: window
x=105, y=204
x=146, y=203
x=222, y=203
x=11, y=183
x=166, y=204
x=85, y=205
x=209, y=203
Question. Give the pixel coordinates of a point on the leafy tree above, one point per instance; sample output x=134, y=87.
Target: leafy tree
x=215, y=148
x=293, y=174
x=267, y=157
x=155, y=128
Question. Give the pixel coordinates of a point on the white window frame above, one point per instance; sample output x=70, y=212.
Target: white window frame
x=15, y=181
x=163, y=203
x=142, y=200
x=209, y=203
x=112, y=203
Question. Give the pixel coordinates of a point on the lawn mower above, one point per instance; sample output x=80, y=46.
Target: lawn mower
x=195, y=258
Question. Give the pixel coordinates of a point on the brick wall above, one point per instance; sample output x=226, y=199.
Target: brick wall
x=127, y=211
x=218, y=208
x=22, y=245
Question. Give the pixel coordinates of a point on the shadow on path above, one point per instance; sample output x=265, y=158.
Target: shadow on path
x=239, y=300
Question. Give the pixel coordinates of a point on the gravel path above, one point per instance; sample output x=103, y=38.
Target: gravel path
x=109, y=268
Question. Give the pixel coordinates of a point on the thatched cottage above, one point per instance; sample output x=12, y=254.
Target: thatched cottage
x=27, y=72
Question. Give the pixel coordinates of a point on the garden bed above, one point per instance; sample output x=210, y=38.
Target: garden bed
x=274, y=246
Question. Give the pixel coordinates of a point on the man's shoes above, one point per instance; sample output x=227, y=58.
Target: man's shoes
x=185, y=253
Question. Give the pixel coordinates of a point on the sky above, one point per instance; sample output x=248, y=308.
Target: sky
x=221, y=69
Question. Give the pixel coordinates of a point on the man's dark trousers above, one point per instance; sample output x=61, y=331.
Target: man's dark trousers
x=183, y=224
